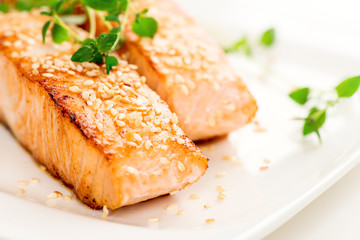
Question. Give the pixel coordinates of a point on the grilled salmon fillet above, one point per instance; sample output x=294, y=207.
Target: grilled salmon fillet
x=109, y=137
x=189, y=71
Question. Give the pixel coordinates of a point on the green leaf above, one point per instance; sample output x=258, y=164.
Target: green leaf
x=102, y=5
x=145, y=26
x=314, y=121
x=145, y=11
x=111, y=61
x=4, y=7
x=300, y=95
x=242, y=45
x=105, y=42
x=88, y=41
x=59, y=34
x=45, y=29
x=348, y=87
x=27, y=5
x=46, y=13
x=115, y=30
x=268, y=38
x=84, y=54
x=112, y=18
x=122, y=5
x=58, y=5
x=98, y=58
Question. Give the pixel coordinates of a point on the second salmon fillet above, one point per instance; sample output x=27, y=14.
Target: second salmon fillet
x=189, y=70
x=109, y=137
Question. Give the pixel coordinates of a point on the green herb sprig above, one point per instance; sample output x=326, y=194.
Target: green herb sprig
x=267, y=39
x=94, y=49
x=317, y=115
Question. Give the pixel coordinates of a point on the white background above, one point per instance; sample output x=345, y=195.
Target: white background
x=331, y=25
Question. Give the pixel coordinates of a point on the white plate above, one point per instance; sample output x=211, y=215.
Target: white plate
x=256, y=201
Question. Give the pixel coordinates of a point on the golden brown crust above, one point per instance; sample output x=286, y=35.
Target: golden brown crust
x=105, y=135
x=183, y=62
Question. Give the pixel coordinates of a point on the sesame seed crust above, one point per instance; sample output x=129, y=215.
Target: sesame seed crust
x=183, y=62
x=117, y=112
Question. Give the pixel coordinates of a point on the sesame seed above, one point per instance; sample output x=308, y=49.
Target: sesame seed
x=52, y=196
x=45, y=66
x=194, y=196
x=23, y=183
x=131, y=144
x=171, y=207
x=148, y=144
x=85, y=95
x=89, y=103
x=221, y=196
x=100, y=127
x=93, y=97
x=42, y=168
x=174, y=119
x=74, y=89
x=17, y=43
x=88, y=82
x=49, y=75
x=185, y=89
x=105, y=213
x=220, y=188
x=35, y=66
x=181, y=166
x=164, y=160
x=221, y=174
x=173, y=192
x=34, y=180
x=120, y=123
x=67, y=198
x=227, y=158
x=59, y=63
x=59, y=194
x=210, y=220
x=208, y=205
x=14, y=54
x=153, y=220
x=263, y=168
x=180, y=140
x=71, y=72
x=236, y=162
x=121, y=116
x=157, y=110
x=181, y=212
x=137, y=137
x=113, y=112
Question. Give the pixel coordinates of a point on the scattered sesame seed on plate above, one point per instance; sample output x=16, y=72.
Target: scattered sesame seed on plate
x=221, y=196
x=263, y=168
x=105, y=213
x=23, y=183
x=220, y=188
x=34, y=180
x=208, y=205
x=221, y=174
x=52, y=196
x=210, y=220
x=194, y=196
x=171, y=207
x=153, y=219
x=180, y=212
